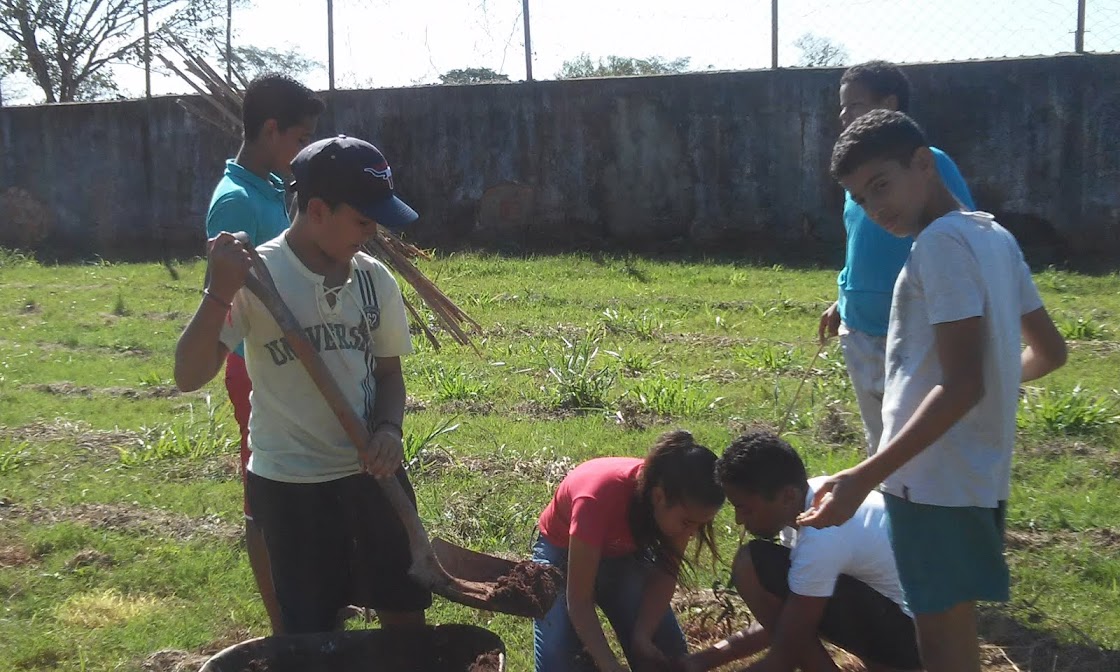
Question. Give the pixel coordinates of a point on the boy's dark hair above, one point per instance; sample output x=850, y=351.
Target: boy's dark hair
x=278, y=97
x=879, y=134
x=760, y=462
x=685, y=470
x=882, y=79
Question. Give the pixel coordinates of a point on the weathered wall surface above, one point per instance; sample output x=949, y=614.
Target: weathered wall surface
x=717, y=162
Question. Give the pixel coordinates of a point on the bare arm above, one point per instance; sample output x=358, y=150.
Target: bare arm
x=385, y=451
x=960, y=350
x=795, y=641
x=1046, y=349
x=657, y=595
x=583, y=567
x=199, y=353
x=389, y=404
x=736, y=647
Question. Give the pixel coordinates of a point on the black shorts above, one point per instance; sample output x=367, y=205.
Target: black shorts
x=858, y=618
x=334, y=544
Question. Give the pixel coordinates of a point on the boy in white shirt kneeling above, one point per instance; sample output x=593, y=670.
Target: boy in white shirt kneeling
x=839, y=584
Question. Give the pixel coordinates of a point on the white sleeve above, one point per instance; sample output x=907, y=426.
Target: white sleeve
x=950, y=277
x=236, y=326
x=1029, y=298
x=391, y=338
x=816, y=561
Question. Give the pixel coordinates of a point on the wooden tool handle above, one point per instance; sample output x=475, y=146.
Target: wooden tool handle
x=355, y=428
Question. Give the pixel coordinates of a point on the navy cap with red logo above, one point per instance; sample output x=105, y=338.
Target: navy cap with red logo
x=351, y=171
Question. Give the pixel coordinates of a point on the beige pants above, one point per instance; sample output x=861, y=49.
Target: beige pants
x=866, y=358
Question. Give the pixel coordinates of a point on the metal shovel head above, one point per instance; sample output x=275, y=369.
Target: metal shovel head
x=519, y=588
x=440, y=648
x=468, y=565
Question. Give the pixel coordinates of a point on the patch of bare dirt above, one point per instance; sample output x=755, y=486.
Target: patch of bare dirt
x=739, y=426
x=77, y=434
x=1106, y=460
x=538, y=410
x=68, y=389
x=1106, y=539
x=172, y=316
x=631, y=416
x=414, y=405
x=170, y=660
x=29, y=307
x=704, y=340
x=63, y=389
x=15, y=556
x=719, y=376
x=219, y=468
x=148, y=392
x=543, y=466
x=839, y=427
x=89, y=558
x=131, y=520
x=474, y=407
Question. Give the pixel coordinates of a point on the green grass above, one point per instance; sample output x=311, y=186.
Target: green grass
x=581, y=356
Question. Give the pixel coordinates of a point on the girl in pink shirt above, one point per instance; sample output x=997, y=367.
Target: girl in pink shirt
x=619, y=526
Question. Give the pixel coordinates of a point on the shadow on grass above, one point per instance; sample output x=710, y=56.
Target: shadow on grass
x=1026, y=639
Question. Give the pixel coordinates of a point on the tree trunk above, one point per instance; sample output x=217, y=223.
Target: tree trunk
x=35, y=59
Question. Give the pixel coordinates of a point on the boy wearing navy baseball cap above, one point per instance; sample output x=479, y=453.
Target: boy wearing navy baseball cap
x=333, y=539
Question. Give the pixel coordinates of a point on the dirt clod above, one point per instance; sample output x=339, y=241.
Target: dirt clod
x=89, y=558
x=14, y=556
x=529, y=586
x=491, y=661
x=173, y=661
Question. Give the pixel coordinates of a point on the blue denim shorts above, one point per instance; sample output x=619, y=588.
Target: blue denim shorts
x=947, y=555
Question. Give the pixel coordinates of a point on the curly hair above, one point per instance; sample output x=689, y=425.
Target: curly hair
x=879, y=134
x=882, y=79
x=760, y=462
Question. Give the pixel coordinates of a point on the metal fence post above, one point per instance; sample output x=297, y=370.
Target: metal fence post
x=147, y=55
x=330, y=44
x=229, y=42
x=774, y=34
x=528, y=48
x=1079, y=36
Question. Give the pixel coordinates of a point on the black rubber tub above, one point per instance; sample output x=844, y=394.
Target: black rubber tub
x=439, y=648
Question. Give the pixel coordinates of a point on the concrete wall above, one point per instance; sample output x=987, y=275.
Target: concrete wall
x=727, y=162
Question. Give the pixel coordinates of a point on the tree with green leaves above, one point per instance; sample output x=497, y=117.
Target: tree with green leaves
x=620, y=66
x=252, y=62
x=66, y=46
x=820, y=52
x=472, y=76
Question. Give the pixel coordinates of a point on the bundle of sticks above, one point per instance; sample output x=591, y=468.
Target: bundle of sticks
x=219, y=104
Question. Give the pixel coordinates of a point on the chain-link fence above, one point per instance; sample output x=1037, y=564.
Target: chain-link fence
x=350, y=44
x=836, y=32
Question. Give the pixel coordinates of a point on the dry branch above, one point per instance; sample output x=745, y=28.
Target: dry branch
x=226, y=101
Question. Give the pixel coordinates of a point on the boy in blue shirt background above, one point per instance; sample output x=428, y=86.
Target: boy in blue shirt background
x=873, y=257
x=278, y=118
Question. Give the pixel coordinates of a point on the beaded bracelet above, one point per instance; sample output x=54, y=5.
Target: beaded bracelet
x=224, y=304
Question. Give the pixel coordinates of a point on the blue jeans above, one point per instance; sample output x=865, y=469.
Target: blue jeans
x=619, y=585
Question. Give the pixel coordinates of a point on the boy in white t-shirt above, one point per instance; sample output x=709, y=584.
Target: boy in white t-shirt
x=839, y=584
x=332, y=537
x=963, y=305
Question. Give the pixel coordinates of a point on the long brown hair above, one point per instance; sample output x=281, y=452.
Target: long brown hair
x=685, y=471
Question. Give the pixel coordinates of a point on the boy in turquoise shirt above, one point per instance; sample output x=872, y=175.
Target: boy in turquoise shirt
x=873, y=257
x=278, y=117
